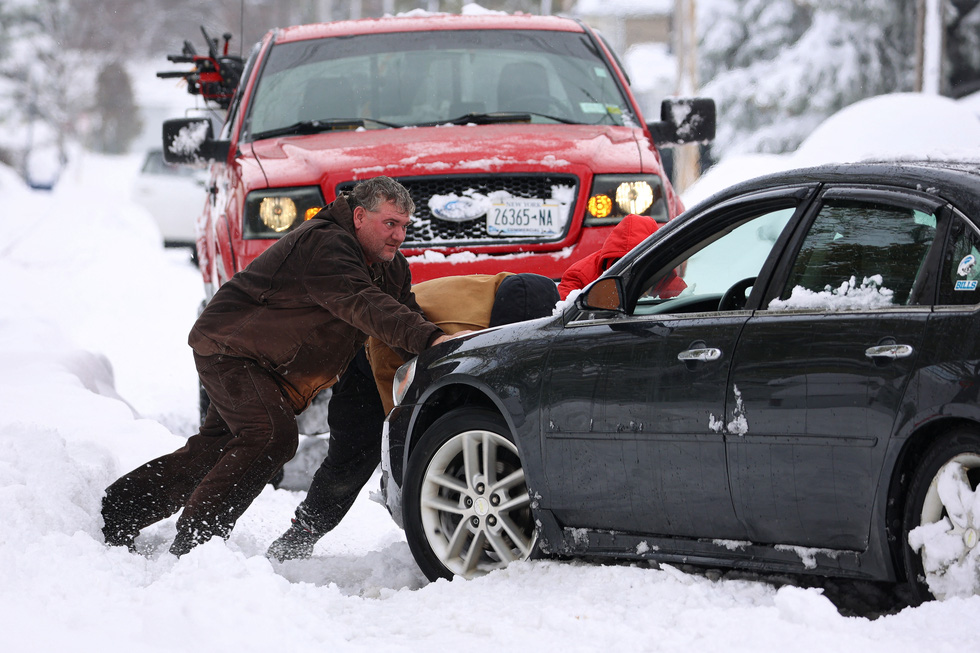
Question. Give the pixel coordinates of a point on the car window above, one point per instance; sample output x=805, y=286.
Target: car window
x=714, y=266
x=422, y=77
x=960, y=272
x=154, y=164
x=858, y=255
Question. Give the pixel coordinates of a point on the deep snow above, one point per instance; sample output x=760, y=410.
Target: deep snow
x=96, y=378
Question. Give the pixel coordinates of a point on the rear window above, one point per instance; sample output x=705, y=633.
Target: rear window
x=417, y=78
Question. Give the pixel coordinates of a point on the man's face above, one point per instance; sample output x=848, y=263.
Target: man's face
x=380, y=232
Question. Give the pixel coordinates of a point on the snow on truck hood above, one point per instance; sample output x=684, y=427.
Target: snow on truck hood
x=411, y=151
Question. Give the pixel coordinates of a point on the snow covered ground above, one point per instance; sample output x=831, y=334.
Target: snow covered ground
x=96, y=378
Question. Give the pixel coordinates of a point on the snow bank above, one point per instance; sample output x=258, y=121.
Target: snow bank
x=898, y=126
x=901, y=125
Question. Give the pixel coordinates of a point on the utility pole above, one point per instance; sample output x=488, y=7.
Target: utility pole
x=929, y=45
x=687, y=158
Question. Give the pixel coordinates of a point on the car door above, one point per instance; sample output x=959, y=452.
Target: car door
x=633, y=439
x=820, y=371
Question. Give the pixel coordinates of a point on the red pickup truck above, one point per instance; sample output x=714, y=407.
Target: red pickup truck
x=517, y=136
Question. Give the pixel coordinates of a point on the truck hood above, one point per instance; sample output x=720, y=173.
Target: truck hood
x=332, y=157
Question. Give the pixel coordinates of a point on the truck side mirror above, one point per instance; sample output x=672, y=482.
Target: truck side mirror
x=684, y=120
x=191, y=141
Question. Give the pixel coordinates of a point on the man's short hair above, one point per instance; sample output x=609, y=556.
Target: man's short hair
x=372, y=193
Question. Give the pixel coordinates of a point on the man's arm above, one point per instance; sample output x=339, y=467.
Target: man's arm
x=338, y=279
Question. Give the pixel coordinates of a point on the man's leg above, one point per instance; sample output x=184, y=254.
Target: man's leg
x=159, y=488
x=355, y=417
x=265, y=437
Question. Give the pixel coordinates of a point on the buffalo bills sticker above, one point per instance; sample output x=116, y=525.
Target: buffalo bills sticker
x=966, y=267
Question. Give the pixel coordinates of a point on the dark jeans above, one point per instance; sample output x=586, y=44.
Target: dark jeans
x=355, y=417
x=249, y=432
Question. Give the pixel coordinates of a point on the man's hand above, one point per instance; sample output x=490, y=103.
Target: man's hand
x=445, y=337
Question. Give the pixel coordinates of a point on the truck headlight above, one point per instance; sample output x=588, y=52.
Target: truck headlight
x=273, y=212
x=615, y=196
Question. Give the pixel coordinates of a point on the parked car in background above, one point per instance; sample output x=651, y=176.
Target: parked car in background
x=517, y=136
x=173, y=194
x=806, y=398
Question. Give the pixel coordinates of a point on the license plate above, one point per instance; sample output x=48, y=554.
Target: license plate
x=524, y=217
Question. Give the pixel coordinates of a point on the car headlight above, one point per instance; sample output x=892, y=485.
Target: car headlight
x=404, y=376
x=273, y=212
x=614, y=197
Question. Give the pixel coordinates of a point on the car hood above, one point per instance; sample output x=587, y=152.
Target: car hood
x=331, y=157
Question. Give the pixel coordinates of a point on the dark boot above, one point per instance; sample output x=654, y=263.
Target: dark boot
x=296, y=542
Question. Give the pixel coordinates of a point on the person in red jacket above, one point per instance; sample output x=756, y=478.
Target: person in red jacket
x=629, y=233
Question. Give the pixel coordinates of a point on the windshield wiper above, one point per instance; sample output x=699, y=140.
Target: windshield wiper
x=304, y=127
x=493, y=118
x=486, y=118
x=567, y=121
x=480, y=119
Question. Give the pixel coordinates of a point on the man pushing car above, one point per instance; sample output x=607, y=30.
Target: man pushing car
x=271, y=338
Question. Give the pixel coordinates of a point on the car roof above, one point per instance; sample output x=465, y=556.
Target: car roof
x=428, y=22
x=954, y=180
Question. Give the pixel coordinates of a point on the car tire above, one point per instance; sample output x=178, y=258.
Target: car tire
x=942, y=520
x=467, y=524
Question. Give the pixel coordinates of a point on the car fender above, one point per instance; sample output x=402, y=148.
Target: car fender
x=464, y=375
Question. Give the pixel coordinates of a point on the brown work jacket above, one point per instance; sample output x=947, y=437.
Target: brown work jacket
x=304, y=307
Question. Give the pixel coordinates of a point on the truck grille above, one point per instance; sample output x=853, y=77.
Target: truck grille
x=427, y=230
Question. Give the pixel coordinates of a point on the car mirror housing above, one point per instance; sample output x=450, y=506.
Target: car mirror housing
x=191, y=141
x=684, y=120
x=604, y=295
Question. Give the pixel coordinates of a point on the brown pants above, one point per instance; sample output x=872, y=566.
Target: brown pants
x=248, y=434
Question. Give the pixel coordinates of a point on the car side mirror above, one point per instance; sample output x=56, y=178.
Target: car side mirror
x=191, y=141
x=684, y=120
x=604, y=295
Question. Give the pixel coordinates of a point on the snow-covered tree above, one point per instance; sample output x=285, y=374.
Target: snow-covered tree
x=36, y=89
x=116, y=114
x=777, y=68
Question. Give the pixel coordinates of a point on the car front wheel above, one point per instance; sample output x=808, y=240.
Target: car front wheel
x=942, y=520
x=465, y=503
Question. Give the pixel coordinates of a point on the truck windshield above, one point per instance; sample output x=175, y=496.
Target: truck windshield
x=377, y=81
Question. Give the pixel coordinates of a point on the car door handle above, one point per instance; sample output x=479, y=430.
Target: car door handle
x=889, y=351
x=702, y=354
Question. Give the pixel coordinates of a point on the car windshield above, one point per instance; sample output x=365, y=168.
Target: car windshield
x=375, y=81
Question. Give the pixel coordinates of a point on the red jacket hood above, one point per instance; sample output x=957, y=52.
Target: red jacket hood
x=626, y=235
x=629, y=233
